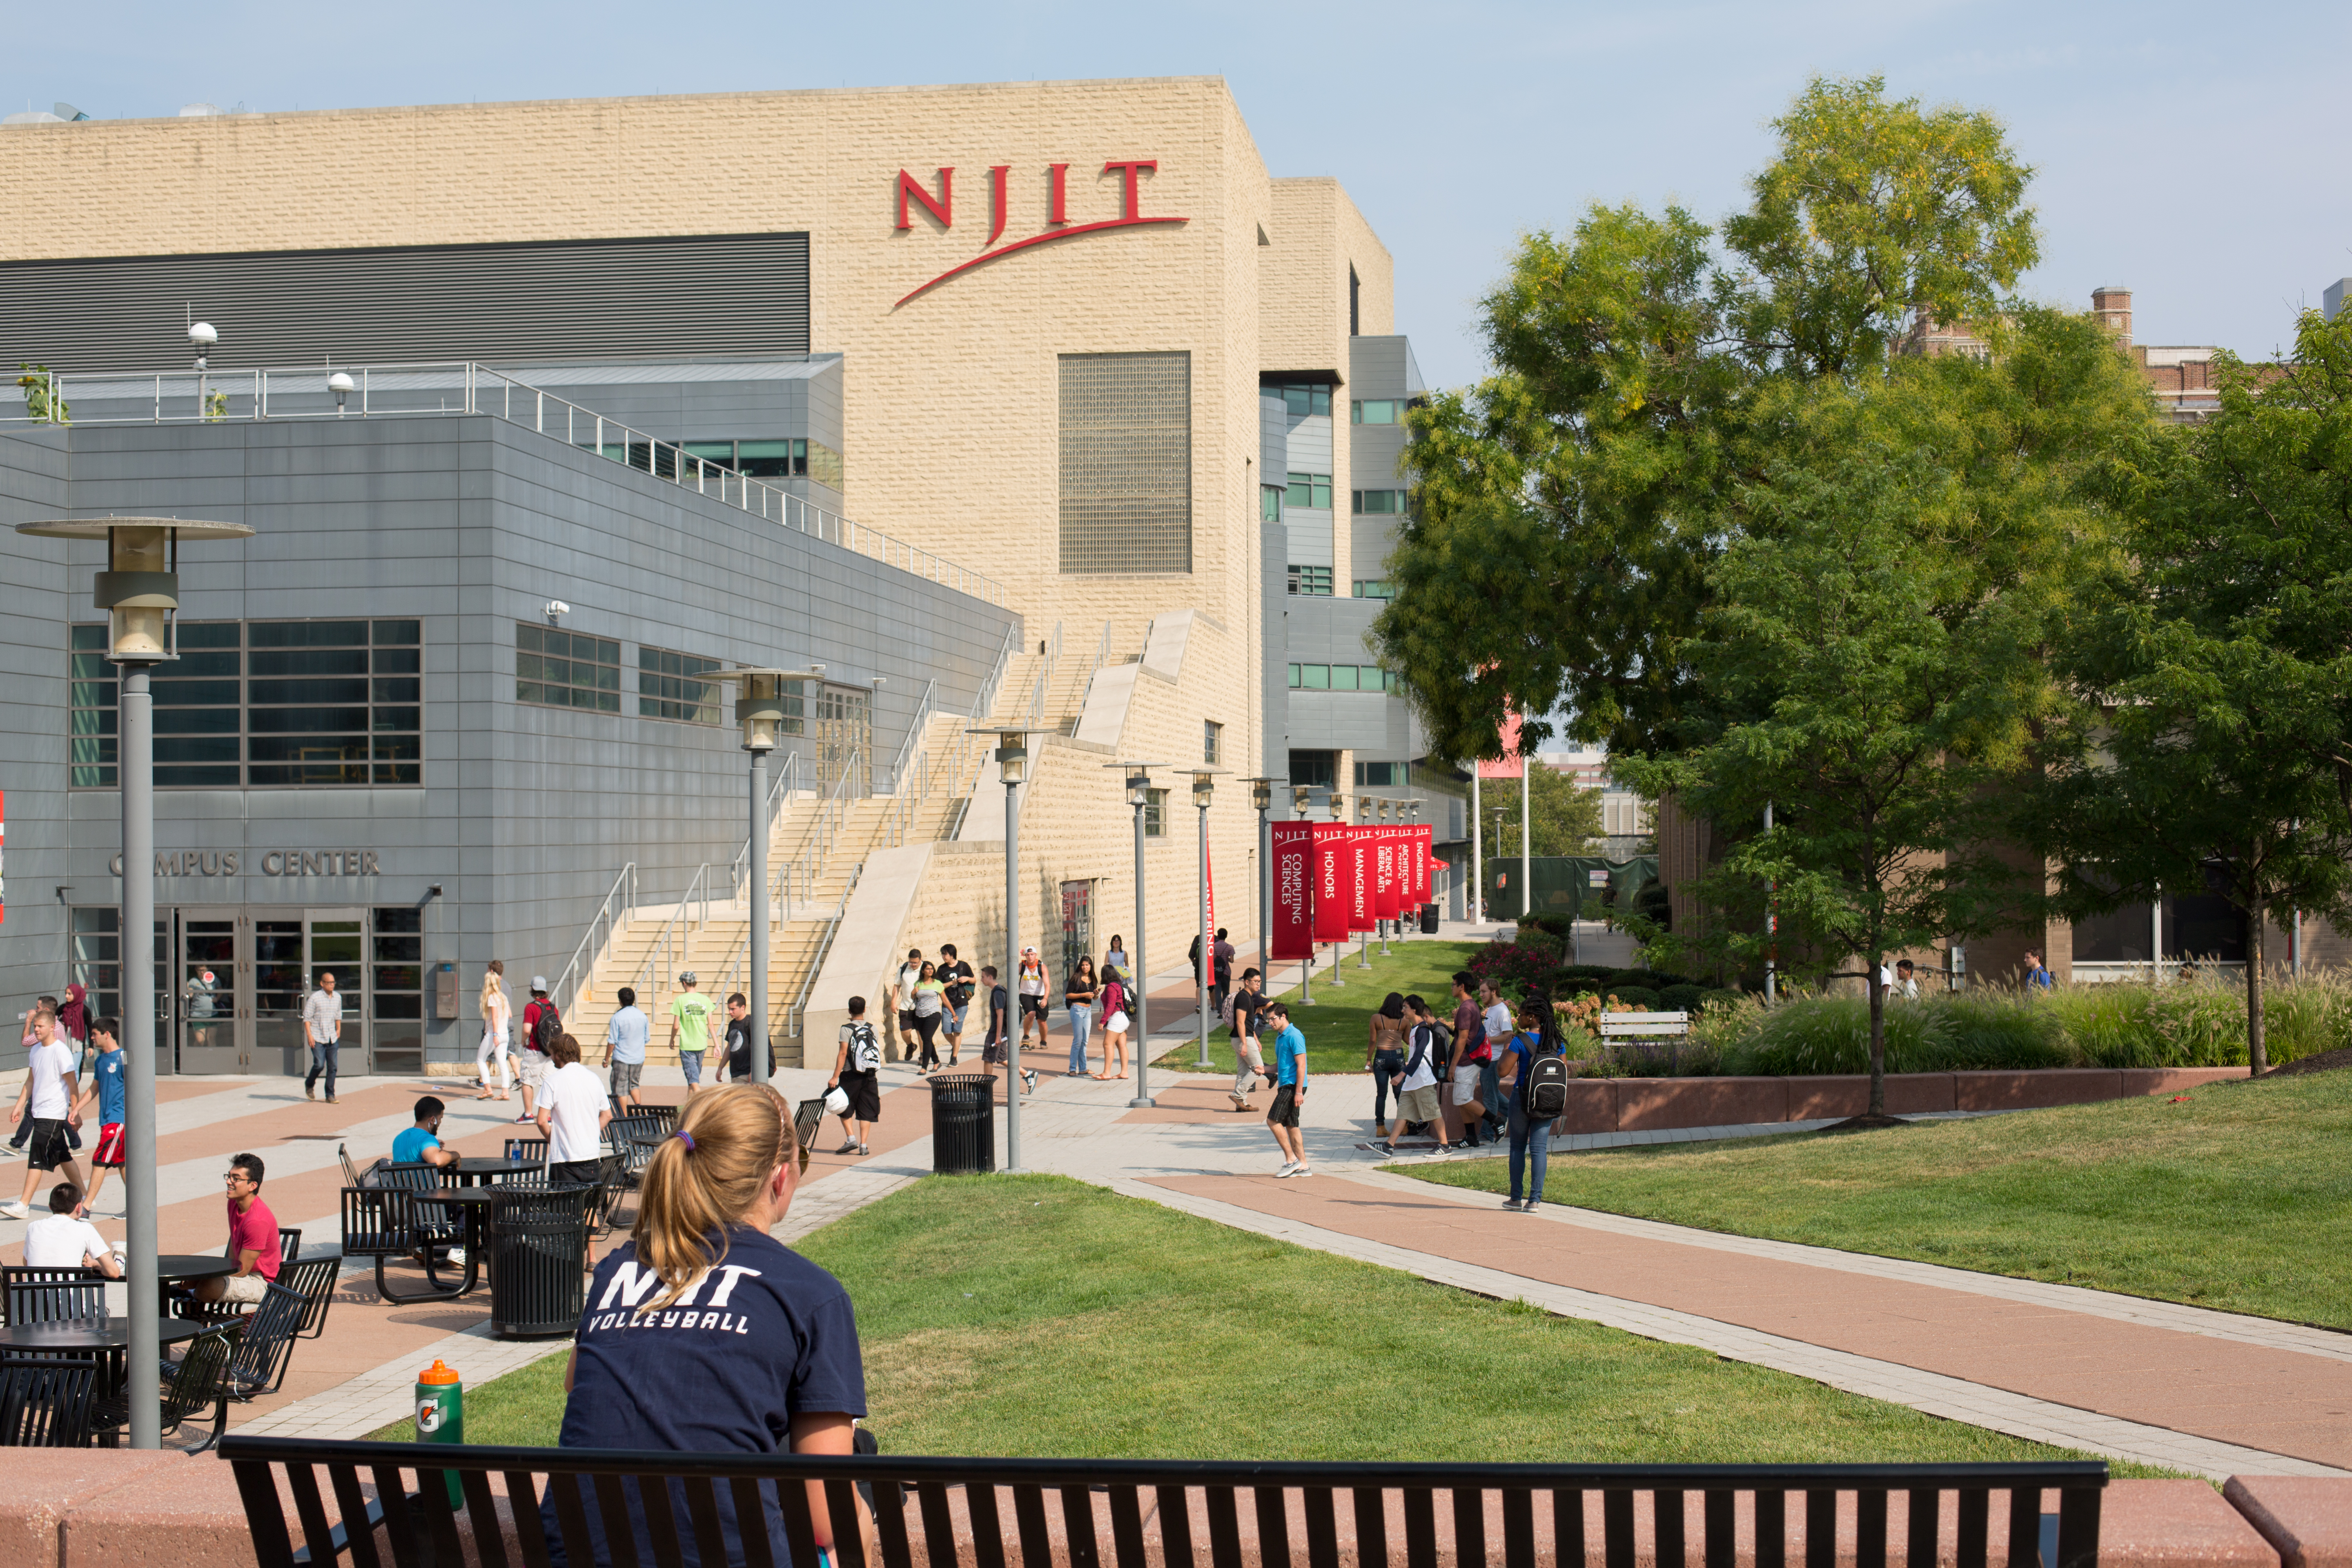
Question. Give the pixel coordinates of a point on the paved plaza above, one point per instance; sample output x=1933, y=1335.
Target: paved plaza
x=2207, y=1391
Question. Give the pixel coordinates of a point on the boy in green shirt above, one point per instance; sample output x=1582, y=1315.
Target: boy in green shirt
x=690, y=1029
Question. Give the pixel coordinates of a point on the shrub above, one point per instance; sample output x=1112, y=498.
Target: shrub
x=1649, y=979
x=1512, y=967
x=1553, y=925
x=1638, y=998
x=1682, y=998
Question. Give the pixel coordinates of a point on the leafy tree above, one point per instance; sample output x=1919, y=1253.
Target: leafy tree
x=1572, y=505
x=2217, y=748
x=1564, y=815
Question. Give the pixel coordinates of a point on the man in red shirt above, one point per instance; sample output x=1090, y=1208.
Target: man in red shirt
x=252, y=1238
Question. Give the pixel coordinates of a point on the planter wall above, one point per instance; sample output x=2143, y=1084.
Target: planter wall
x=1663, y=1104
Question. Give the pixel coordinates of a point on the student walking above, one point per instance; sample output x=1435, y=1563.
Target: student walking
x=497, y=1013
x=573, y=1115
x=902, y=996
x=1470, y=1039
x=857, y=1074
x=690, y=1029
x=31, y=1037
x=322, y=1025
x=929, y=1002
x=625, y=1037
x=1079, y=997
x=955, y=981
x=1000, y=1018
x=1384, y=1055
x=1417, y=1078
x=108, y=1090
x=1220, y=973
x=1115, y=1020
x=1114, y=961
x=736, y=1066
x=1030, y=982
x=1537, y=1036
x=1249, y=1019
x=542, y=1022
x=1289, y=1091
x=52, y=1083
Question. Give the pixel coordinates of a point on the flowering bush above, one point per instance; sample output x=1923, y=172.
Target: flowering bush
x=1582, y=1015
x=1514, y=969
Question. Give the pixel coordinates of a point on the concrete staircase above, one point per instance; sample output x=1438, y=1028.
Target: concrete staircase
x=815, y=848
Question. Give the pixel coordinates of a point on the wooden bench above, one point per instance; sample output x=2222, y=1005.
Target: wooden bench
x=1142, y=1513
x=1643, y=1025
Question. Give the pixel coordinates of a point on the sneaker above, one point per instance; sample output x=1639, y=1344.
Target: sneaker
x=17, y=1211
x=10, y=1152
x=1029, y=1080
x=864, y=1149
x=310, y=1092
x=331, y=1100
x=1289, y=1166
x=1532, y=1205
x=848, y=1146
x=526, y=1116
x=1304, y=1171
x=1240, y=1103
x=1511, y=1203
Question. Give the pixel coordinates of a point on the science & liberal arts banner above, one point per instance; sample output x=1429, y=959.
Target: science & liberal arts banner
x=1293, y=936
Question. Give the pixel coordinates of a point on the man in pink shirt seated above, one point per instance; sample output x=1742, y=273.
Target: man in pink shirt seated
x=252, y=1237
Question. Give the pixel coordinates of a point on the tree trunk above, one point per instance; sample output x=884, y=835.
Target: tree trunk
x=1877, y=1036
x=2257, y=1052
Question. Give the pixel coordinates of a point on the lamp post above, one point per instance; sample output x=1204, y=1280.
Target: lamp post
x=1139, y=796
x=1262, y=802
x=1012, y=767
x=1203, y=786
x=1299, y=797
x=140, y=592
x=759, y=704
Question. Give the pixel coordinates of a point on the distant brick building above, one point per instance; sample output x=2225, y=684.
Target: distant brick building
x=2179, y=375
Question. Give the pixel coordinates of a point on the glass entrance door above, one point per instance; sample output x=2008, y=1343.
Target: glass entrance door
x=338, y=946
x=1078, y=925
x=290, y=950
x=211, y=989
x=845, y=734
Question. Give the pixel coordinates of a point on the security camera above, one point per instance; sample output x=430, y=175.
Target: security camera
x=557, y=609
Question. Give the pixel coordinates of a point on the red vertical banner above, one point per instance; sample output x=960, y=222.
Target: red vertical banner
x=1361, y=872
x=1384, y=870
x=1330, y=867
x=1293, y=936
x=1424, y=860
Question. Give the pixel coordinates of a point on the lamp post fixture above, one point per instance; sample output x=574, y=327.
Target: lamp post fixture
x=140, y=592
x=1262, y=802
x=1012, y=767
x=1300, y=796
x=760, y=715
x=1204, y=787
x=1139, y=796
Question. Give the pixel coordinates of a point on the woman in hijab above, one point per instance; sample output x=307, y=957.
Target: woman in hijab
x=1384, y=1057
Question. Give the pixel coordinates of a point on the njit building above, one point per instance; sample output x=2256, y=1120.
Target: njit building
x=1038, y=403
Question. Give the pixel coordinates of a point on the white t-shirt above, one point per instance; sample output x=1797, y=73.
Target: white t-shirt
x=1422, y=1039
x=61, y=1241
x=1499, y=1024
x=49, y=1065
x=571, y=1096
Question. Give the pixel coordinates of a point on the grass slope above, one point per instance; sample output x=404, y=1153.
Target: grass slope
x=1034, y=1315
x=2237, y=1198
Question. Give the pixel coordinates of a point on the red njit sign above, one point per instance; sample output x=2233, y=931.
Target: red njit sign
x=1058, y=225
x=1293, y=935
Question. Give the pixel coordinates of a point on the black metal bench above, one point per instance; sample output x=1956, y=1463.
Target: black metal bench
x=937, y=1512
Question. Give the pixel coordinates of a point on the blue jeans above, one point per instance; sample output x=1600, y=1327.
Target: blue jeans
x=1528, y=1138
x=1386, y=1065
x=322, y=1058
x=1490, y=1091
x=1082, y=1021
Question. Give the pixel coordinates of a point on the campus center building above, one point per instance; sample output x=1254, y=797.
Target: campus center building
x=1041, y=404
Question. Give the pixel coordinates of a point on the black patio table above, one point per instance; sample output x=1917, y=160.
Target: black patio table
x=184, y=1268
x=475, y=1169
x=473, y=1201
x=92, y=1334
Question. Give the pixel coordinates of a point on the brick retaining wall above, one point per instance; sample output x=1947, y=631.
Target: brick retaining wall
x=1657, y=1104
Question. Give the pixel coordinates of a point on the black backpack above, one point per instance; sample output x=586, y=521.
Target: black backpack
x=544, y=1033
x=1547, y=1088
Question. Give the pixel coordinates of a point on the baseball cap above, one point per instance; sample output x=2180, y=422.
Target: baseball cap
x=687, y=978
x=539, y=983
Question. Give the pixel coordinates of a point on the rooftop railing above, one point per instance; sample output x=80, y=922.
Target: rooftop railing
x=450, y=387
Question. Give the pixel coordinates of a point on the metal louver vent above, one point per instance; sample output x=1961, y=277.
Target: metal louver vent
x=1127, y=463
x=731, y=294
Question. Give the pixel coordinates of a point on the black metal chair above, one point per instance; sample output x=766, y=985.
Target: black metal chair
x=80, y=1299
x=527, y=1149
x=351, y=1171
x=46, y=1403
x=199, y=1379
x=314, y=1279
x=263, y=1354
x=289, y=1245
x=17, y=1274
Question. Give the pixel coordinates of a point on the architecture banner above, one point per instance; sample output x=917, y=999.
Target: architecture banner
x=1359, y=856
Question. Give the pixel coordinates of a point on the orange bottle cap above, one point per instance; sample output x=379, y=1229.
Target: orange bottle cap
x=439, y=1372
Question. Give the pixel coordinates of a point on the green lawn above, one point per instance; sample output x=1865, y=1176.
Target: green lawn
x=1338, y=1024
x=2238, y=1198
x=1036, y=1315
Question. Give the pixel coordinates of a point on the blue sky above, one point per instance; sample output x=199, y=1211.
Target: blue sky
x=2193, y=152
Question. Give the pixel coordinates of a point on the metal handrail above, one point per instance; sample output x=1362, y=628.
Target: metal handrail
x=401, y=390
x=1102, y=656
x=914, y=734
x=646, y=977
x=817, y=847
x=564, y=990
x=1045, y=668
x=796, y=1018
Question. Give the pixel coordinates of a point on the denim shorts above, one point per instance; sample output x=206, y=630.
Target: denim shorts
x=690, y=1064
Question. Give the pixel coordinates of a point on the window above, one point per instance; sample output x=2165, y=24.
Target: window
x=1370, y=590
x=1302, y=398
x=566, y=669
x=1379, y=776
x=1155, y=814
x=1343, y=677
x=1377, y=410
x=796, y=458
x=1383, y=503
x=669, y=687
x=1127, y=463
x=262, y=704
x=1310, y=579
x=1310, y=490
x=1269, y=503
x=1313, y=769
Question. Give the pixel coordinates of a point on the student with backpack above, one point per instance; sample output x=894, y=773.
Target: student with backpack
x=1413, y=1074
x=857, y=1073
x=1539, y=1086
x=1246, y=1011
x=543, y=1025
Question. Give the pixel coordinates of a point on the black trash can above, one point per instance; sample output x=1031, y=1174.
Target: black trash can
x=963, y=1124
x=1429, y=919
x=538, y=1242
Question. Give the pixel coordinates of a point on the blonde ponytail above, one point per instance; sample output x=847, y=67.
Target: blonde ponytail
x=704, y=1178
x=492, y=987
